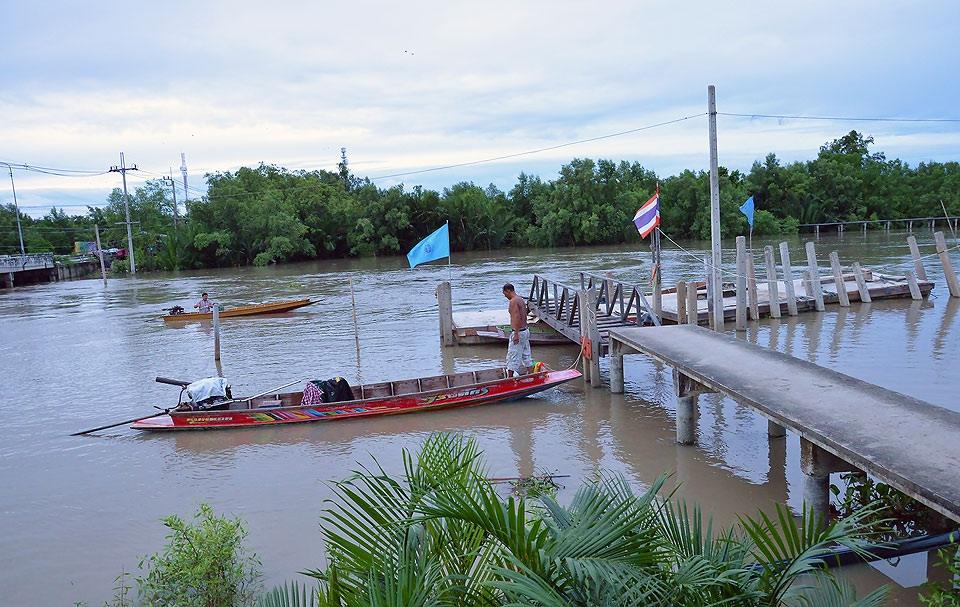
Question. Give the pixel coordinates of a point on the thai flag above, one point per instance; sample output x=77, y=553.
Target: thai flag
x=648, y=216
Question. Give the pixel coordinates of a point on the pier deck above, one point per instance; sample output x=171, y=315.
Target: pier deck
x=905, y=442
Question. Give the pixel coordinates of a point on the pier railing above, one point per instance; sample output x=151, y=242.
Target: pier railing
x=16, y=263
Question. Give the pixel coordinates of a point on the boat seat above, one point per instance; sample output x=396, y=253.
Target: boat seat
x=407, y=386
x=438, y=382
x=265, y=404
x=377, y=390
x=462, y=379
x=489, y=375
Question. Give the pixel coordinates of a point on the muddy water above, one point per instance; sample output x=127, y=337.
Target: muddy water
x=75, y=510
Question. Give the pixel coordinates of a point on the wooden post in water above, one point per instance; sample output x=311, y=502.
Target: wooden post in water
x=445, y=308
x=681, y=303
x=773, y=292
x=915, y=293
x=741, y=321
x=952, y=283
x=915, y=254
x=616, y=367
x=861, y=283
x=594, y=334
x=788, y=279
x=817, y=293
x=752, y=302
x=838, y=280
x=216, y=331
x=708, y=285
x=103, y=268
x=693, y=308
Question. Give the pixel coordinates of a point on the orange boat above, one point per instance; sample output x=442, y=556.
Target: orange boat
x=267, y=308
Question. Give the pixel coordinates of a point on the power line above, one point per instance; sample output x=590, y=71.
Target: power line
x=539, y=150
x=839, y=118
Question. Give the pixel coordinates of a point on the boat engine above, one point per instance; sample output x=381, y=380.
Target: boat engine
x=210, y=393
x=174, y=311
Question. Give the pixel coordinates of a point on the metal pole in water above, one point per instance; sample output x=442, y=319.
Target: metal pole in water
x=356, y=330
x=103, y=269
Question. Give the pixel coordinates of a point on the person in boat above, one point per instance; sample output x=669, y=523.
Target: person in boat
x=519, y=357
x=205, y=304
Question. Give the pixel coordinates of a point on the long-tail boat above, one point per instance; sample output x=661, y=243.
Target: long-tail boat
x=467, y=389
x=276, y=307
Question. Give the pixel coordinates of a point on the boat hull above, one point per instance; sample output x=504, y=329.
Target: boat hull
x=461, y=396
x=270, y=308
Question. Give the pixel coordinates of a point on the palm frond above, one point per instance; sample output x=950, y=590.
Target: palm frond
x=290, y=594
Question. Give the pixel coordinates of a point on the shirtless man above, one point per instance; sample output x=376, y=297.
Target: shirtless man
x=519, y=358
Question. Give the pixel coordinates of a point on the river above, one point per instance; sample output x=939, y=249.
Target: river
x=75, y=510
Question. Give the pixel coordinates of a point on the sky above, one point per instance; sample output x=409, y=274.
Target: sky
x=415, y=85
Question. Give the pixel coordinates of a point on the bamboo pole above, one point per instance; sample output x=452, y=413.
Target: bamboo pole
x=838, y=279
x=788, y=279
x=773, y=292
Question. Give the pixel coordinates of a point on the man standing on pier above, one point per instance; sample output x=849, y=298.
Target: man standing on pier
x=519, y=357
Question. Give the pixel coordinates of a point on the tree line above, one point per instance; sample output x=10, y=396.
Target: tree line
x=269, y=214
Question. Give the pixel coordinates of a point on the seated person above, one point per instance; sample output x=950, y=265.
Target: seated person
x=205, y=304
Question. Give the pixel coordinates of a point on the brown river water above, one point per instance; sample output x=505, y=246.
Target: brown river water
x=73, y=355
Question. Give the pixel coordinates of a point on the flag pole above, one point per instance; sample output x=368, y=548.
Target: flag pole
x=449, y=255
x=657, y=295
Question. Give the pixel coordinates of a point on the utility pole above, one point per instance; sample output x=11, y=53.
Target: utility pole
x=122, y=169
x=183, y=171
x=16, y=208
x=173, y=188
x=342, y=167
x=715, y=260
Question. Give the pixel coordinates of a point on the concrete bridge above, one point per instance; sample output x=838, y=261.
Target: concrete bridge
x=40, y=267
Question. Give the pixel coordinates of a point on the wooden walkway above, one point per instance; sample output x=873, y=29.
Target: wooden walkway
x=844, y=423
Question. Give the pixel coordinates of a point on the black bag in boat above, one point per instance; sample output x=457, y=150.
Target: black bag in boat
x=334, y=390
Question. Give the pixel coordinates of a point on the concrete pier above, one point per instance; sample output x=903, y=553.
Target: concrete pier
x=845, y=424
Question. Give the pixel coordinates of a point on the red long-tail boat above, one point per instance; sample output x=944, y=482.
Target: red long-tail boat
x=467, y=389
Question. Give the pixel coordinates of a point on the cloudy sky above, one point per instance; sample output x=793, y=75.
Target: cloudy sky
x=414, y=85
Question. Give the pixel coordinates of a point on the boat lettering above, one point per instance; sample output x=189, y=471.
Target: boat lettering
x=429, y=400
x=205, y=420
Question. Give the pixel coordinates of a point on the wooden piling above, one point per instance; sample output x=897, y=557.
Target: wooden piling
x=693, y=310
x=708, y=283
x=773, y=291
x=216, y=331
x=861, y=283
x=914, y=286
x=814, y=277
x=752, y=302
x=681, y=303
x=741, y=322
x=952, y=283
x=445, y=309
x=838, y=279
x=590, y=330
x=616, y=367
x=915, y=254
x=788, y=279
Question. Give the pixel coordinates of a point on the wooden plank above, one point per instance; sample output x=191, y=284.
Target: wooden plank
x=681, y=303
x=874, y=429
x=953, y=285
x=841, y=285
x=772, y=289
x=914, y=287
x=741, y=314
x=752, y=300
x=788, y=279
x=861, y=283
x=814, y=277
x=915, y=254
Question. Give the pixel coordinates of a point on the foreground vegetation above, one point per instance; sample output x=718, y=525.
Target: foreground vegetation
x=268, y=214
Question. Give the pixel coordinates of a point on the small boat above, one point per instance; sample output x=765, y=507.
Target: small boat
x=540, y=335
x=178, y=315
x=466, y=389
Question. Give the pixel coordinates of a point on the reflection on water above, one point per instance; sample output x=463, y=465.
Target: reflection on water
x=75, y=355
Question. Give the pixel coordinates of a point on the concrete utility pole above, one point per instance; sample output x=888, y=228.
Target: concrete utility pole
x=16, y=208
x=717, y=294
x=122, y=169
x=183, y=171
x=173, y=188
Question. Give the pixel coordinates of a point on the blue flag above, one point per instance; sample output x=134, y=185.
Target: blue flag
x=747, y=209
x=434, y=246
